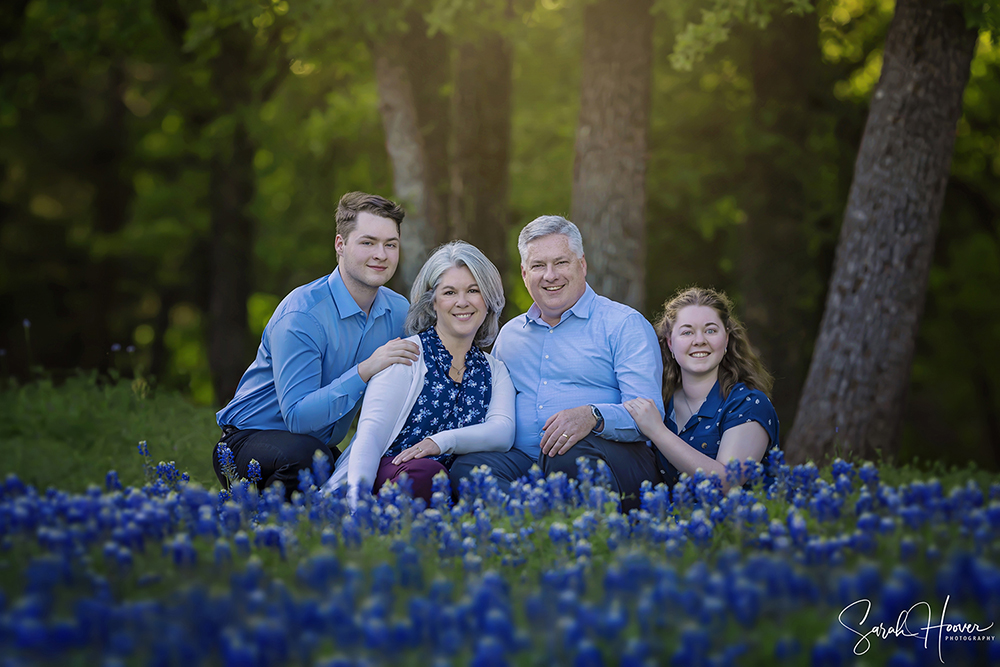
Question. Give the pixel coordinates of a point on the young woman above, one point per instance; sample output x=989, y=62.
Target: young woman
x=714, y=390
x=453, y=400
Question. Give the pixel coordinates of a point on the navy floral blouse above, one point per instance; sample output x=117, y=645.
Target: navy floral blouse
x=444, y=404
x=716, y=416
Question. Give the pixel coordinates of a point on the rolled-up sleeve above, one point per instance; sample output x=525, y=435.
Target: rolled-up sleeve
x=639, y=369
x=297, y=344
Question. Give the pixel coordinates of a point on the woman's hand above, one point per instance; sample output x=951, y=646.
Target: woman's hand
x=425, y=447
x=645, y=414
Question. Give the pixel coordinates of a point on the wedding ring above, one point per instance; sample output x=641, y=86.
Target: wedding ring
x=565, y=435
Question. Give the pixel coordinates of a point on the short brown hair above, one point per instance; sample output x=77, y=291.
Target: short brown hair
x=353, y=203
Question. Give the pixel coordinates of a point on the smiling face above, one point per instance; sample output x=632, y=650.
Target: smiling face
x=555, y=276
x=370, y=253
x=459, y=306
x=698, y=340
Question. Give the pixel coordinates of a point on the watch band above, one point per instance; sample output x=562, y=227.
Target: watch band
x=599, y=426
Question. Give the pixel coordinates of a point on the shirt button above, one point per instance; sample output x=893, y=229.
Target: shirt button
x=704, y=445
x=539, y=407
x=545, y=381
x=546, y=356
x=550, y=330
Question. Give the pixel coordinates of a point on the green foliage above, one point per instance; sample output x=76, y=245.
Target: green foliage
x=698, y=39
x=69, y=435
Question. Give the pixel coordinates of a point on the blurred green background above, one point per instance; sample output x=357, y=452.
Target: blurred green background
x=131, y=129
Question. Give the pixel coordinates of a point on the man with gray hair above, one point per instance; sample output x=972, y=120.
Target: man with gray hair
x=574, y=357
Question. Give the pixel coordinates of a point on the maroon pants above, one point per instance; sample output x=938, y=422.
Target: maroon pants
x=420, y=471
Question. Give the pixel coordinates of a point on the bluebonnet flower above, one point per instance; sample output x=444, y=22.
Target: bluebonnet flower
x=869, y=474
x=558, y=533
x=734, y=471
x=253, y=471
x=797, y=528
x=111, y=481
x=320, y=467
x=226, y=462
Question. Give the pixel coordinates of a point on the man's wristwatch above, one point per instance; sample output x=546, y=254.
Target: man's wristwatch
x=600, y=420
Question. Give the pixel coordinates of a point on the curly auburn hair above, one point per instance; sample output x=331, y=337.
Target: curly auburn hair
x=739, y=364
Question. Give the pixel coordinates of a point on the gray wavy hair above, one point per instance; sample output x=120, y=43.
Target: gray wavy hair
x=457, y=253
x=546, y=225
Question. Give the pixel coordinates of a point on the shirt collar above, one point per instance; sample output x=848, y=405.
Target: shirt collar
x=712, y=402
x=346, y=305
x=709, y=408
x=581, y=308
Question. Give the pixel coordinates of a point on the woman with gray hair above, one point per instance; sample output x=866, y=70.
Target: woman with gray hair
x=454, y=399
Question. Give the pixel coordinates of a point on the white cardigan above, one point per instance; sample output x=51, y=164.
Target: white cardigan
x=389, y=398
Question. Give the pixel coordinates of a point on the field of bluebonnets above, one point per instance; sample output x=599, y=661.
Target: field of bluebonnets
x=851, y=564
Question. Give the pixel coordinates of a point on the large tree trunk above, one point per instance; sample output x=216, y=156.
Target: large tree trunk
x=609, y=176
x=854, y=393
x=481, y=109
x=417, y=151
x=233, y=185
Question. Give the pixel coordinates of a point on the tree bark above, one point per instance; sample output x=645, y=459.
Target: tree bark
x=112, y=200
x=609, y=176
x=481, y=117
x=413, y=142
x=233, y=185
x=854, y=392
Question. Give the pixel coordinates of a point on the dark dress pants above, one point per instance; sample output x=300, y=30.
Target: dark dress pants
x=630, y=464
x=281, y=456
x=504, y=466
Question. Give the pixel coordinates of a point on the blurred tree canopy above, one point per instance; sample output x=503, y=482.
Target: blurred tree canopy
x=170, y=170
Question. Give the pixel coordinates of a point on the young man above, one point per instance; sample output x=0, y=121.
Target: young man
x=574, y=357
x=323, y=343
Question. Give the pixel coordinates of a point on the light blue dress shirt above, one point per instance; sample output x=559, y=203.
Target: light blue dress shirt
x=305, y=377
x=601, y=352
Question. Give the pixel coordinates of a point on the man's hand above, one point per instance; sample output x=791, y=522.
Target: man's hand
x=566, y=428
x=425, y=447
x=396, y=351
x=646, y=416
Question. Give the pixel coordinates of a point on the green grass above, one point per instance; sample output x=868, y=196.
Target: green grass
x=69, y=435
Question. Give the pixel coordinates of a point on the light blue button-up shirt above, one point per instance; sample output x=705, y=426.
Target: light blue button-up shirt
x=305, y=377
x=601, y=353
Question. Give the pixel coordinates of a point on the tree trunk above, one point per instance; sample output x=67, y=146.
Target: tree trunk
x=415, y=179
x=854, y=393
x=429, y=68
x=481, y=109
x=232, y=182
x=112, y=199
x=233, y=185
x=609, y=176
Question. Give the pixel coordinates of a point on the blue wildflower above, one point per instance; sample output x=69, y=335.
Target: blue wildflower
x=253, y=471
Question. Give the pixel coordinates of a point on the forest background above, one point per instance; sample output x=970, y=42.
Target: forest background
x=170, y=170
